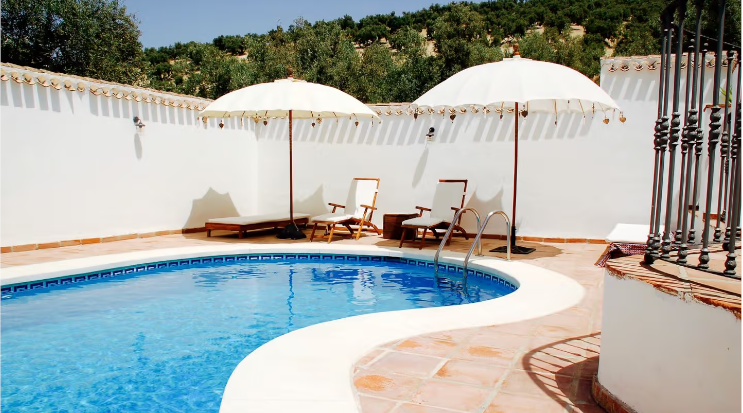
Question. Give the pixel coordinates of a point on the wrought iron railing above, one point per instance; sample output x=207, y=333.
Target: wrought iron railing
x=709, y=181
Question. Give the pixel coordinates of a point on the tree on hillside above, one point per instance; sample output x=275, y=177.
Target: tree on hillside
x=231, y=44
x=374, y=74
x=561, y=47
x=536, y=46
x=638, y=39
x=204, y=67
x=371, y=30
x=324, y=53
x=415, y=72
x=462, y=40
x=97, y=38
x=94, y=38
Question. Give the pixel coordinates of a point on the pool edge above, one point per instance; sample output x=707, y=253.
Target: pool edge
x=311, y=369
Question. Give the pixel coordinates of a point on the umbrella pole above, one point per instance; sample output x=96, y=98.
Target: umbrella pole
x=515, y=170
x=291, y=230
x=291, y=174
x=515, y=249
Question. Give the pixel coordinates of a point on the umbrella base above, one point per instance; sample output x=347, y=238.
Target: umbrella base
x=291, y=231
x=515, y=249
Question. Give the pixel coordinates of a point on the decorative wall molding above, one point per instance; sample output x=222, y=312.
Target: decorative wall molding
x=58, y=81
x=31, y=76
x=652, y=62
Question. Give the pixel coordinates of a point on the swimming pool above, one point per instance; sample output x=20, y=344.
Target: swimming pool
x=167, y=339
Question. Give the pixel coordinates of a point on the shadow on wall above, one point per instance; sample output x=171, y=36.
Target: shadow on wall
x=420, y=168
x=547, y=126
x=313, y=204
x=642, y=87
x=404, y=130
x=483, y=206
x=138, y=146
x=394, y=130
x=211, y=205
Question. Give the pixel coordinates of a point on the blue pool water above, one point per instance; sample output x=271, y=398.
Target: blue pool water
x=166, y=340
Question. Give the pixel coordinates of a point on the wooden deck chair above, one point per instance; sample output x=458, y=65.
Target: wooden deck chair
x=253, y=222
x=448, y=198
x=357, y=211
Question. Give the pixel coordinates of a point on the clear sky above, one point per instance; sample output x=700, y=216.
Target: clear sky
x=164, y=22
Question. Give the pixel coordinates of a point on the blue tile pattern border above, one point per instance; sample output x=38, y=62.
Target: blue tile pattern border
x=8, y=290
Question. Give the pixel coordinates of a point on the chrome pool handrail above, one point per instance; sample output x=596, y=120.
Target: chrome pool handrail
x=479, y=234
x=448, y=234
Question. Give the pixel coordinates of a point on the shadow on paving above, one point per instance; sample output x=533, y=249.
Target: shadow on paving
x=564, y=370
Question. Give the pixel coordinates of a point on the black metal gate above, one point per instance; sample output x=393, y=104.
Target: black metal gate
x=712, y=190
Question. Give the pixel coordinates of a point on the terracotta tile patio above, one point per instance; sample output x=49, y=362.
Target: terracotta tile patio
x=542, y=365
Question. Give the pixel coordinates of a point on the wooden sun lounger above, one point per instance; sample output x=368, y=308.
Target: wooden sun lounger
x=447, y=195
x=358, y=210
x=253, y=222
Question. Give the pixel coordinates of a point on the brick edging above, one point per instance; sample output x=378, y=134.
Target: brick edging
x=685, y=294
x=99, y=240
x=607, y=400
x=85, y=241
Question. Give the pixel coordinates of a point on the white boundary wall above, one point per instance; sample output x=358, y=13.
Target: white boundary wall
x=74, y=167
x=662, y=354
x=577, y=178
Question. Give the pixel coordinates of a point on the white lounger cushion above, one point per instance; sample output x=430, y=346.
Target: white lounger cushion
x=332, y=217
x=630, y=233
x=257, y=219
x=362, y=192
x=422, y=222
x=447, y=195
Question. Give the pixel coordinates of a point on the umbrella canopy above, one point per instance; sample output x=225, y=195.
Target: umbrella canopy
x=290, y=98
x=543, y=86
x=521, y=86
x=274, y=100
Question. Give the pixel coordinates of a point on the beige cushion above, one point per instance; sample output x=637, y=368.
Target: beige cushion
x=423, y=222
x=256, y=219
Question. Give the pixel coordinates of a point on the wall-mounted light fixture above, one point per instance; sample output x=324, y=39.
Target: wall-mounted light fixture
x=138, y=123
x=429, y=135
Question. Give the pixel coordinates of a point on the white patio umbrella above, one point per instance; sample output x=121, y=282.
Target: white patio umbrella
x=292, y=98
x=522, y=86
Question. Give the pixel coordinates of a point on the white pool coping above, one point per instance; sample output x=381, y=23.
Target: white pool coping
x=311, y=369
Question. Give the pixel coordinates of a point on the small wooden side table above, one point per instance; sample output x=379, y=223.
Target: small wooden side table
x=392, y=226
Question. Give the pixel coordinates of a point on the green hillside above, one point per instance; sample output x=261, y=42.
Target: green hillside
x=381, y=58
